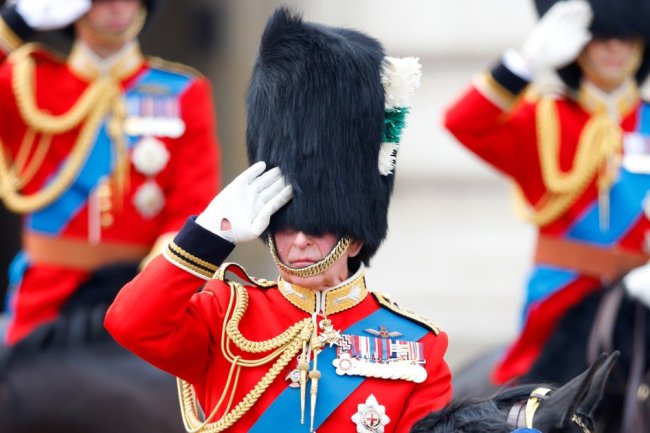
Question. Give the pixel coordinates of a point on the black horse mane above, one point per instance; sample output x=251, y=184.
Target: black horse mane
x=476, y=415
x=566, y=409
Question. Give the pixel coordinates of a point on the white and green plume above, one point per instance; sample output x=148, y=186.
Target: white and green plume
x=400, y=77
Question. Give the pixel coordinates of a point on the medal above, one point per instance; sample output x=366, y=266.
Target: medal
x=379, y=357
x=294, y=378
x=329, y=335
x=150, y=156
x=371, y=416
x=149, y=199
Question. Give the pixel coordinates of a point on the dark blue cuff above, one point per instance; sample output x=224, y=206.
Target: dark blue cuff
x=507, y=79
x=198, y=249
x=15, y=22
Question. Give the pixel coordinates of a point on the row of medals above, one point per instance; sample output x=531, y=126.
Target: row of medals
x=347, y=365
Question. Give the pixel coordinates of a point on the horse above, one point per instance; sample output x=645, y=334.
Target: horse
x=528, y=408
x=69, y=376
x=608, y=319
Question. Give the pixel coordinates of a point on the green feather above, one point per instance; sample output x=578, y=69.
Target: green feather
x=394, y=123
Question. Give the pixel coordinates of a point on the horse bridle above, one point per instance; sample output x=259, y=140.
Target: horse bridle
x=522, y=413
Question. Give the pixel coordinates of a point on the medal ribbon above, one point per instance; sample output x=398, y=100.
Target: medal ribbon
x=334, y=389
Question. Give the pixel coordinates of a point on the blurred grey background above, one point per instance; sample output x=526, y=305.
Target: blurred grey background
x=455, y=251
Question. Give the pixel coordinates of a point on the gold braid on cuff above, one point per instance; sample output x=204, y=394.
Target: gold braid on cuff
x=315, y=269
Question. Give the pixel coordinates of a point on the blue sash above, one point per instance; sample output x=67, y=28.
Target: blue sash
x=333, y=389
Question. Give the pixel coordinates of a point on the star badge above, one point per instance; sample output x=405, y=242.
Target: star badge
x=370, y=417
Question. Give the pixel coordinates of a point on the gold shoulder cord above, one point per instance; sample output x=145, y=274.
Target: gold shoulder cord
x=599, y=143
x=285, y=347
x=101, y=98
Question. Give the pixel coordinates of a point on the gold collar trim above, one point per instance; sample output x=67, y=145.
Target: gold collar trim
x=331, y=301
x=87, y=65
x=616, y=104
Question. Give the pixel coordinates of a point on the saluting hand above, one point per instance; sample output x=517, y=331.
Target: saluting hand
x=559, y=36
x=51, y=14
x=242, y=211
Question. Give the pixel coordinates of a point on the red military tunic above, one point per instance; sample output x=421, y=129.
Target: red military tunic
x=161, y=317
x=496, y=123
x=168, y=128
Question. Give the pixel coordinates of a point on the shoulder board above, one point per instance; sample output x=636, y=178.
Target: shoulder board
x=384, y=301
x=178, y=68
x=242, y=274
x=37, y=52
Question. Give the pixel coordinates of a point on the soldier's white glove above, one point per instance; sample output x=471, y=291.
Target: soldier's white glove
x=637, y=284
x=559, y=36
x=247, y=203
x=51, y=14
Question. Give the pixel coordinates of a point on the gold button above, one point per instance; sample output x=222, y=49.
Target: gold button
x=104, y=190
x=105, y=204
x=107, y=220
x=643, y=392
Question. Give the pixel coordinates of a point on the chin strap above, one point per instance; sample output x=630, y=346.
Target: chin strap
x=309, y=271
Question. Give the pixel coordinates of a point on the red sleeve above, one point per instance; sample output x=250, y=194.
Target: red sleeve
x=160, y=317
x=506, y=140
x=432, y=394
x=195, y=159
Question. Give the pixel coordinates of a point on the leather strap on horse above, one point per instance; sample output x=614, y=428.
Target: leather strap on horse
x=601, y=339
x=591, y=260
x=633, y=420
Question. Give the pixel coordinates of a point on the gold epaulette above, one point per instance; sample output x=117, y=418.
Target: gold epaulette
x=37, y=50
x=384, y=301
x=242, y=274
x=179, y=68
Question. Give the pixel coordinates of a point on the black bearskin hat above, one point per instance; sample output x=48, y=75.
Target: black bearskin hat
x=622, y=19
x=316, y=110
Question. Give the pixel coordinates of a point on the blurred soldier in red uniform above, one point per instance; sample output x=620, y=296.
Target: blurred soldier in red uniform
x=580, y=158
x=314, y=350
x=103, y=152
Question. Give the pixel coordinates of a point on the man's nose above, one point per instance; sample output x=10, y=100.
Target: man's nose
x=302, y=240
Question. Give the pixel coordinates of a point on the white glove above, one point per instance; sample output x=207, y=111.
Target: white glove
x=51, y=14
x=247, y=203
x=559, y=36
x=637, y=284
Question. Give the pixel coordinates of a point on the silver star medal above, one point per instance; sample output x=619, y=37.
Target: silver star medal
x=370, y=417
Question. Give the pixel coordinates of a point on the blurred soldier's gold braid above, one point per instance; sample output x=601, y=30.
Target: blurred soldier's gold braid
x=101, y=98
x=600, y=141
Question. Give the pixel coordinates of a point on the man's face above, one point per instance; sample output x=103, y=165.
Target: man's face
x=112, y=16
x=298, y=250
x=611, y=61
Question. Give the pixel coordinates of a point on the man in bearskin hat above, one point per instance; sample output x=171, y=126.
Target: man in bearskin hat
x=314, y=350
x=578, y=158
x=96, y=151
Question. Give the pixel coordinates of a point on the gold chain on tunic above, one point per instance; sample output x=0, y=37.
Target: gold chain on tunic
x=285, y=347
x=101, y=98
x=598, y=147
